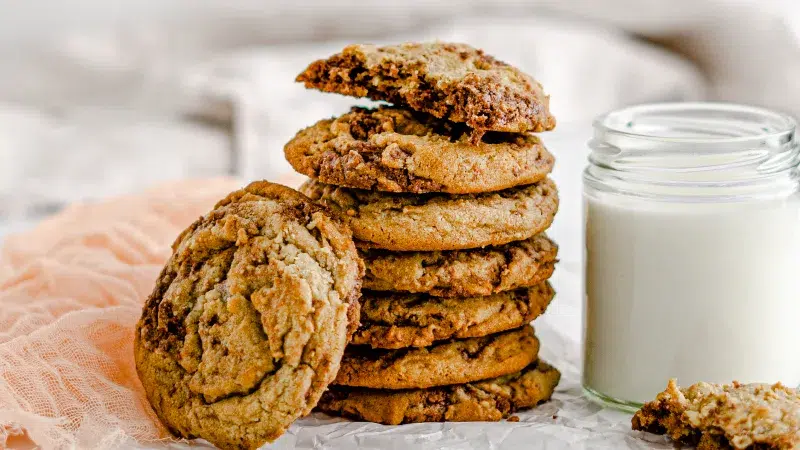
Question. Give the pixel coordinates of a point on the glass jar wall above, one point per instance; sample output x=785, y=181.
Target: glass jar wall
x=692, y=250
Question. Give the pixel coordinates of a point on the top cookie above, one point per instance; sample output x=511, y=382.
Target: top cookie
x=731, y=416
x=455, y=82
x=396, y=150
x=249, y=318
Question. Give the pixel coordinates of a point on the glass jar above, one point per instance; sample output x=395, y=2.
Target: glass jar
x=692, y=250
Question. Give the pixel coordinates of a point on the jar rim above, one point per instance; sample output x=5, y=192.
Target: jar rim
x=698, y=120
x=697, y=151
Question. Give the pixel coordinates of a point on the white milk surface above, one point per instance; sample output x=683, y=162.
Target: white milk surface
x=697, y=292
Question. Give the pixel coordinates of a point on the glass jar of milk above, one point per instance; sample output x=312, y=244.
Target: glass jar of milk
x=692, y=256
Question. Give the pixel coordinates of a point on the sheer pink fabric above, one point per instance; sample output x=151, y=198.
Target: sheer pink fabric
x=71, y=292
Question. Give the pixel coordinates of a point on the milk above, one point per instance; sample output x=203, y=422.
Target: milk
x=698, y=291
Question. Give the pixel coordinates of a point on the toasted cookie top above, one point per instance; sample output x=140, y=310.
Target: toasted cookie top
x=487, y=400
x=450, y=81
x=460, y=273
x=714, y=416
x=397, y=150
x=431, y=222
x=249, y=318
x=396, y=320
x=446, y=362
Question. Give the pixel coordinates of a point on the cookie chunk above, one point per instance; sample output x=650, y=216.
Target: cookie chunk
x=449, y=362
x=454, y=82
x=462, y=273
x=249, y=318
x=481, y=401
x=430, y=222
x=395, y=150
x=397, y=320
x=730, y=416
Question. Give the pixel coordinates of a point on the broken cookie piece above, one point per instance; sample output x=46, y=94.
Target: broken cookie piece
x=730, y=416
x=454, y=82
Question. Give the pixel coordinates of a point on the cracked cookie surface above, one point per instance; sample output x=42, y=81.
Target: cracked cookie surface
x=450, y=81
x=730, y=416
x=462, y=273
x=429, y=222
x=489, y=400
x=447, y=362
x=398, y=320
x=396, y=150
x=249, y=317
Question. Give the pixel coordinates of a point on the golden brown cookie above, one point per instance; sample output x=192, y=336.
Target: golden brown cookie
x=249, y=318
x=396, y=150
x=454, y=82
x=448, y=362
x=429, y=222
x=489, y=400
x=397, y=320
x=729, y=416
x=462, y=272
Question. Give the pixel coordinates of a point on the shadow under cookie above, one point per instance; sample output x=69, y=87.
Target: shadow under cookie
x=488, y=400
x=398, y=320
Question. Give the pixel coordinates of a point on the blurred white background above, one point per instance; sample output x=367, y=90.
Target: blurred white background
x=102, y=97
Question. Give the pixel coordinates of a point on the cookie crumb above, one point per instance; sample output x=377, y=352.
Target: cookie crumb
x=513, y=419
x=555, y=417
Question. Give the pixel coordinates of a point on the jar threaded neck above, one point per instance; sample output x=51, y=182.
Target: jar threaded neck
x=695, y=151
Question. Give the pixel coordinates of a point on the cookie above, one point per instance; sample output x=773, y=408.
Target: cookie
x=397, y=320
x=249, y=318
x=730, y=416
x=448, y=362
x=429, y=222
x=454, y=82
x=395, y=150
x=462, y=272
x=481, y=401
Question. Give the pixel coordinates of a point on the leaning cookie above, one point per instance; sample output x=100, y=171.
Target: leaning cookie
x=397, y=320
x=430, y=222
x=396, y=150
x=488, y=400
x=462, y=273
x=454, y=82
x=447, y=362
x=249, y=318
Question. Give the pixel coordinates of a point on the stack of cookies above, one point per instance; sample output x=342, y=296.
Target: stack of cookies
x=446, y=192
